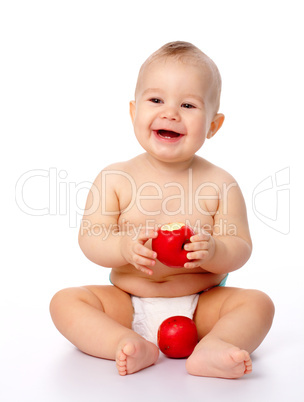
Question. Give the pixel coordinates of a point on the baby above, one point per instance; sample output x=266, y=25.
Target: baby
x=175, y=109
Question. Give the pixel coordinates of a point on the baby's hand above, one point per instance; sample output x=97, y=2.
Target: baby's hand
x=135, y=252
x=201, y=249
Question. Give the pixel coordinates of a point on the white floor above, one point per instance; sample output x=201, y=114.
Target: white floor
x=38, y=364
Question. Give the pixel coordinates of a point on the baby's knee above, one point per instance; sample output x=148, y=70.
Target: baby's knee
x=62, y=300
x=262, y=302
x=70, y=299
x=56, y=302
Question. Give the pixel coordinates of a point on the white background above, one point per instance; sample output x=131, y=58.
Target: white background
x=68, y=71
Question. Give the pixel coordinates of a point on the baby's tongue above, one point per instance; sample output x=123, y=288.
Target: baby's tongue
x=168, y=134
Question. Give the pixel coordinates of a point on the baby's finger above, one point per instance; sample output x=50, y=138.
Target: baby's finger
x=140, y=260
x=193, y=264
x=202, y=245
x=145, y=270
x=144, y=267
x=146, y=234
x=200, y=237
x=198, y=255
x=144, y=251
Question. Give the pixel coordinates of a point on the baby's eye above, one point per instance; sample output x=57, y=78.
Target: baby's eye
x=188, y=106
x=155, y=100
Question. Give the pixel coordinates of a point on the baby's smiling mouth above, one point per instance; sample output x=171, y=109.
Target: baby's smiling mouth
x=168, y=134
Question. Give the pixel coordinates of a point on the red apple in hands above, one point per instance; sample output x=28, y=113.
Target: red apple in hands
x=177, y=337
x=169, y=244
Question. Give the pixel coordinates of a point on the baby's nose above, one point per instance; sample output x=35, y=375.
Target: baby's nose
x=170, y=113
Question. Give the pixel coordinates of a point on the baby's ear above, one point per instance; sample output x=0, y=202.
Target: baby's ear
x=132, y=110
x=216, y=124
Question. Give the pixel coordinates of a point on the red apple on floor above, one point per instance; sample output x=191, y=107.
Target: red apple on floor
x=177, y=337
x=169, y=244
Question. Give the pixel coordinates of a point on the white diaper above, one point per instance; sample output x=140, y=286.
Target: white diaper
x=150, y=312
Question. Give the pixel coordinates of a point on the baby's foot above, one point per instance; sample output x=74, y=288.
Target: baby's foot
x=135, y=354
x=215, y=358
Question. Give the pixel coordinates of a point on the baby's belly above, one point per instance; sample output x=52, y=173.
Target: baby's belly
x=170, y=284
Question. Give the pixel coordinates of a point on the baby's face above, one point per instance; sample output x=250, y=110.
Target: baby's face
x=174, y=109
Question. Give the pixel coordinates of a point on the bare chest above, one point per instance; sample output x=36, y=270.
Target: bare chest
x=186, y=199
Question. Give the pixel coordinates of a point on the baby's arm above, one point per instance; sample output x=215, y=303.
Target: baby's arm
x=103, y=240
x=229, y=247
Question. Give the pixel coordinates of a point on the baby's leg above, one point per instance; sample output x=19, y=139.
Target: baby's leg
x=231, y=324
x=98, y=320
